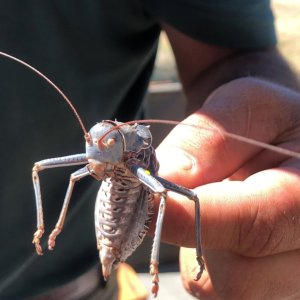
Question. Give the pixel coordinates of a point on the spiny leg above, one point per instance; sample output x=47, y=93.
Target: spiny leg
x=156, y=242
x=192, y=196
x=160, y=185
x=146, y=178
x=61, y=220
x=39, y=210
x=199, y=255
x=70, y=160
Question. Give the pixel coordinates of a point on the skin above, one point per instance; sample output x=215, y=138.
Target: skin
x=250, y=207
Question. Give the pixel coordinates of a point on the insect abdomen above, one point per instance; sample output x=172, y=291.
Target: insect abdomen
x=123, y=211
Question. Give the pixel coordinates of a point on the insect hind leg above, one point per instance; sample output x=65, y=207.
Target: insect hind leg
x=150, y=181
x=192, y=196
x=161, y=186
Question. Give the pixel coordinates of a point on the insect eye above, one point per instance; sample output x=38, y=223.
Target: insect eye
x=105, y=144
x=110, y=142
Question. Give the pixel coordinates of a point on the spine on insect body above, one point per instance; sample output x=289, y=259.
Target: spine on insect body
x=123, y=211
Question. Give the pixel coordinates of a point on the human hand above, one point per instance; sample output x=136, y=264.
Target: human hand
x=250, y=197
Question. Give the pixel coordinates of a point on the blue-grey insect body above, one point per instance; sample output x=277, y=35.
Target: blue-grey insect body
x=124, y=205
x=123, y=158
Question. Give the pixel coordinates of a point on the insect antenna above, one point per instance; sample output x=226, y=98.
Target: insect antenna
x=39, y=73
x=233, y=136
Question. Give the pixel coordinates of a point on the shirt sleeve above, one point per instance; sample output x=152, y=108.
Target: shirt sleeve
x=247, y=24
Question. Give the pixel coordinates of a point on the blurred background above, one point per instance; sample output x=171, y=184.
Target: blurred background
x=287, y=17
x=165, y=89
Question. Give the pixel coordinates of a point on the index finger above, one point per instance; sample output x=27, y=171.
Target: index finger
x=256, y=217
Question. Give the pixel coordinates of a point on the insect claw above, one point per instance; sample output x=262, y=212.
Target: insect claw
x=155, y=286
x=198, y=276
x=155, y=279
x=38, y=248
x=36, y=240
x=51, y=240
x=202, y=268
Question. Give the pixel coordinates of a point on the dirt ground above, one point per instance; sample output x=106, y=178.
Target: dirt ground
x=287, y=16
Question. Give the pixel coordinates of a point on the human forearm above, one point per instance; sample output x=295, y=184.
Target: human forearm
x=267, y=64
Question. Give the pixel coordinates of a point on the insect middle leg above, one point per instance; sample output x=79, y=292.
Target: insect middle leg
x=170, y=186
x=71, y=160
x=61, y=220
x=156, y=243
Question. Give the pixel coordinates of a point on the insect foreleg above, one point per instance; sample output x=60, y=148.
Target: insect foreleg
x=70, y=160
x=170, y=186
x=58, y=227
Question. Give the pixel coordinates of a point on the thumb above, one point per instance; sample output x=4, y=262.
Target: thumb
x=193, y=155
x=199, y=151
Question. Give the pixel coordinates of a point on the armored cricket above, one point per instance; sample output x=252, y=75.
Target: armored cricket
x=122, y=157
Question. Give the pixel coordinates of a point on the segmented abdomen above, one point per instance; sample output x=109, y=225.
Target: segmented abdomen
x=123, y=211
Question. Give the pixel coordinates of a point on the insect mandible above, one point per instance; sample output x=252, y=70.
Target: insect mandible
x=121, y=155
